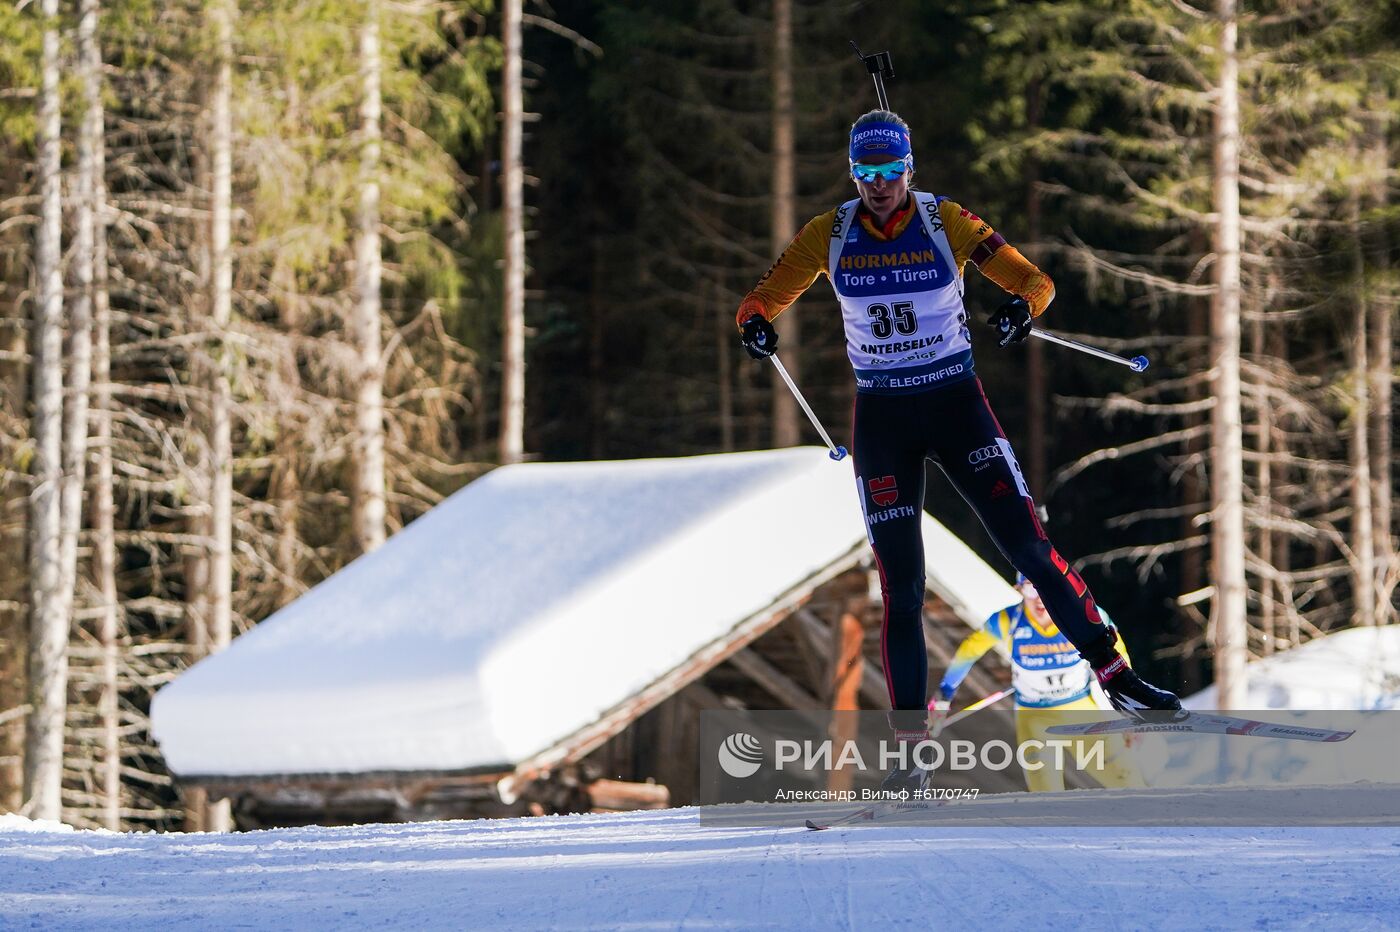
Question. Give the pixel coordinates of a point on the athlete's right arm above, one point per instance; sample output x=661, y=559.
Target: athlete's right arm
x=804, y=259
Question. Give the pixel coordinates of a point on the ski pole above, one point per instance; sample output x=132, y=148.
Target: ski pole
x=977, y=706
x=837, y=453
x=1137, y=363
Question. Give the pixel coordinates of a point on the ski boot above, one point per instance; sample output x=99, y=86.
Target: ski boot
x=907, y=780
x=1128, y=692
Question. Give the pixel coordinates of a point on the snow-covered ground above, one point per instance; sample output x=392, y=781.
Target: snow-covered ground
x=664, y=870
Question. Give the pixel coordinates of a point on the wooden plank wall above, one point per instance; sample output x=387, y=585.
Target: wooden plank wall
x=806, y=662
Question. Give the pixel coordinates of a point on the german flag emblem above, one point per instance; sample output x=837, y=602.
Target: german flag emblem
x=883, y=491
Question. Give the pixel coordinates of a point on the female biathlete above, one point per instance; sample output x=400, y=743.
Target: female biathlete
x=895, y=259
x=1050, y=679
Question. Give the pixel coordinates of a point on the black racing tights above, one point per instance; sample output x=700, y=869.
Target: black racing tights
x=954, y=426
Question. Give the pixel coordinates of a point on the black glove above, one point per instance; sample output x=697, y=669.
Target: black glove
x=759, y=337
x=1012, y=321
x=1130, y=693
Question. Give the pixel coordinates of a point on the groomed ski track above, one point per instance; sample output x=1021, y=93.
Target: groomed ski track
x=665, y=870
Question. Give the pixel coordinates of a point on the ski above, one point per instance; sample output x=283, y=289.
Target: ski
x=1203, y=723
x=873, y=811
x=864, y=813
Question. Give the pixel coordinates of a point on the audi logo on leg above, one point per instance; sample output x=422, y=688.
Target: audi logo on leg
x=984, y=454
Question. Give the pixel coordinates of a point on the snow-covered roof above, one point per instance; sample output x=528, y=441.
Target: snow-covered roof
x=1358, y=668
x=523, y=608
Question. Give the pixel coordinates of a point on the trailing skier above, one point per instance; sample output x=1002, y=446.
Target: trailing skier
x=1048, y=676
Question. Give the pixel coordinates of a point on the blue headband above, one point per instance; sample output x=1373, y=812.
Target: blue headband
x=887, y=140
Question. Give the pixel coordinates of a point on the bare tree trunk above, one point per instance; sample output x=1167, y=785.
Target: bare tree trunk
x=1363, y=548
x=367, y=505
x=1280, y=554
x=14, y=585
x=91, y=254
x=286, y=482
x=512, y=442
x=1193, y=488
x=1227, y=444
x=49, y=604
x=217, y=817
x=783, y=223
x=597, y=340
x=1037, y=457
x=1382, y=462
x=198, y=592
x=286, y=490
x=1382, y=360
x=221, y=152
x=104, y=542
x=75, y=413
x=1194, y=479
x=724, y=350
x=1035, y=417
x=481, y=395
x=748, y=395
x=1264, y=478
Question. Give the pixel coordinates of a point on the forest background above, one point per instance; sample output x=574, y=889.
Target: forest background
x=276, y=277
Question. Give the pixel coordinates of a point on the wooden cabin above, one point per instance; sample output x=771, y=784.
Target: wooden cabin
x=561, y=663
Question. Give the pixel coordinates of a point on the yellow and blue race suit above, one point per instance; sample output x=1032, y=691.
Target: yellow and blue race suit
x=1049, y=676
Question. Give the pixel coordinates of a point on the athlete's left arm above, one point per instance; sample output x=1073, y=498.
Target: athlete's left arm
x=972, y=238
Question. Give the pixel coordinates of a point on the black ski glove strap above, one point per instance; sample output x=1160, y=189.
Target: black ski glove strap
x=1012, y=321
x=759, y=337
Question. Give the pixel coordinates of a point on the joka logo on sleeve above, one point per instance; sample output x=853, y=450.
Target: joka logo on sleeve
x=883, y=491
